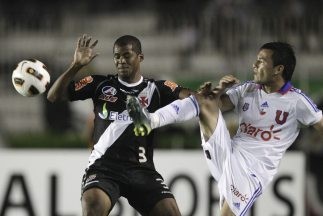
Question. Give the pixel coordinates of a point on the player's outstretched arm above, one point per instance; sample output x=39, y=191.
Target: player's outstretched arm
x=83, y=55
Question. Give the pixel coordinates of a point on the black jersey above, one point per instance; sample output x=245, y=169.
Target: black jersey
x=113, y=136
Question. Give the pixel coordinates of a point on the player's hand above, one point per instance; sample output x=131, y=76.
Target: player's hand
x=226, y=82
x=84, y=51
x=205, y=89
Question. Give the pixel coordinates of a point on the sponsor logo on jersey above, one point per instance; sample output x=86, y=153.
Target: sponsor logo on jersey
x=114, y=116
x=245, y=107
x=171, y=85
x=83, y=82
x=104, y=113
x=108, y=93
x=263, y=107
x=265, y=135
x=243, y=197
x=109, y=98
x=109, y=90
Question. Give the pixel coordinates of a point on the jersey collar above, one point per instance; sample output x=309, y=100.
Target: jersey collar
x=283, y=90
x=130, y=84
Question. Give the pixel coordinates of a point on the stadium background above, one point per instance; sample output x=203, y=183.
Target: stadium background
x=187, y=41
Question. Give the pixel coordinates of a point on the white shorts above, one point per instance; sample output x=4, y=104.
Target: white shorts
x=238, y=186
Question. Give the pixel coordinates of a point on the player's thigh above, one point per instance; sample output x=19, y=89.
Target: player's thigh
x=100, y=191
x=225, y=210
x=95, y=202
x=209, y=112
x=149, y=193
x=165, y=207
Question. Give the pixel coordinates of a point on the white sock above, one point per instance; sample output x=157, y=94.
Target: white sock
x=177, y=111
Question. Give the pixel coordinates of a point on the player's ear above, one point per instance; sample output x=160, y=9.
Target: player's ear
x=141, y=57
x=279, y=69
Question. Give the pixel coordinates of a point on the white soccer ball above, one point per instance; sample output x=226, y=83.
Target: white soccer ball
x=30, y=78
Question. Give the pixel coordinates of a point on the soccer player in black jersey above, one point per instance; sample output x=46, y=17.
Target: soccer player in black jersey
x=120, y=164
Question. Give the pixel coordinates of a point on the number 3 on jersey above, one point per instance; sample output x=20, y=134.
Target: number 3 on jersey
x=142, y=156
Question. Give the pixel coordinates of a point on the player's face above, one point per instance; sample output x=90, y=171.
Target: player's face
x=263, y=68
x=127, y=63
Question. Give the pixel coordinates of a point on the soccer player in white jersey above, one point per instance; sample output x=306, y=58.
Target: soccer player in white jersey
x=270, y=111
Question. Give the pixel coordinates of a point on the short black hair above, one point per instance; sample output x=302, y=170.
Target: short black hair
x=129, y=39
x=283, y=54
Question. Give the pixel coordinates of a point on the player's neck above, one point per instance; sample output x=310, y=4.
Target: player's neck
x=273, y=87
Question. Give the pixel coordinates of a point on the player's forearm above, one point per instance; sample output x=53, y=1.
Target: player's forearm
x=58, y=91
x=185, y=92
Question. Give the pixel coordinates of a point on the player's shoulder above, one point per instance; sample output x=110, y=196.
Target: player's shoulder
x=162, y=82
x=297, y=94
x=150, y=80
x=294, y=90
x=95, y=77
x=248, y=86
x=103, y=77
x=96, y=81
x=300, y=96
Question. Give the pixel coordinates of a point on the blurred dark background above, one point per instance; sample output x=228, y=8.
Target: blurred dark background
x=187, y=41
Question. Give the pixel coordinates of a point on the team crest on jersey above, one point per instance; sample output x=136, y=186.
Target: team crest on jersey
x=279, y=118
x=245, y=106
x=108, y=93
x=83, y=82
x=143, y=101
x=171, y=85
